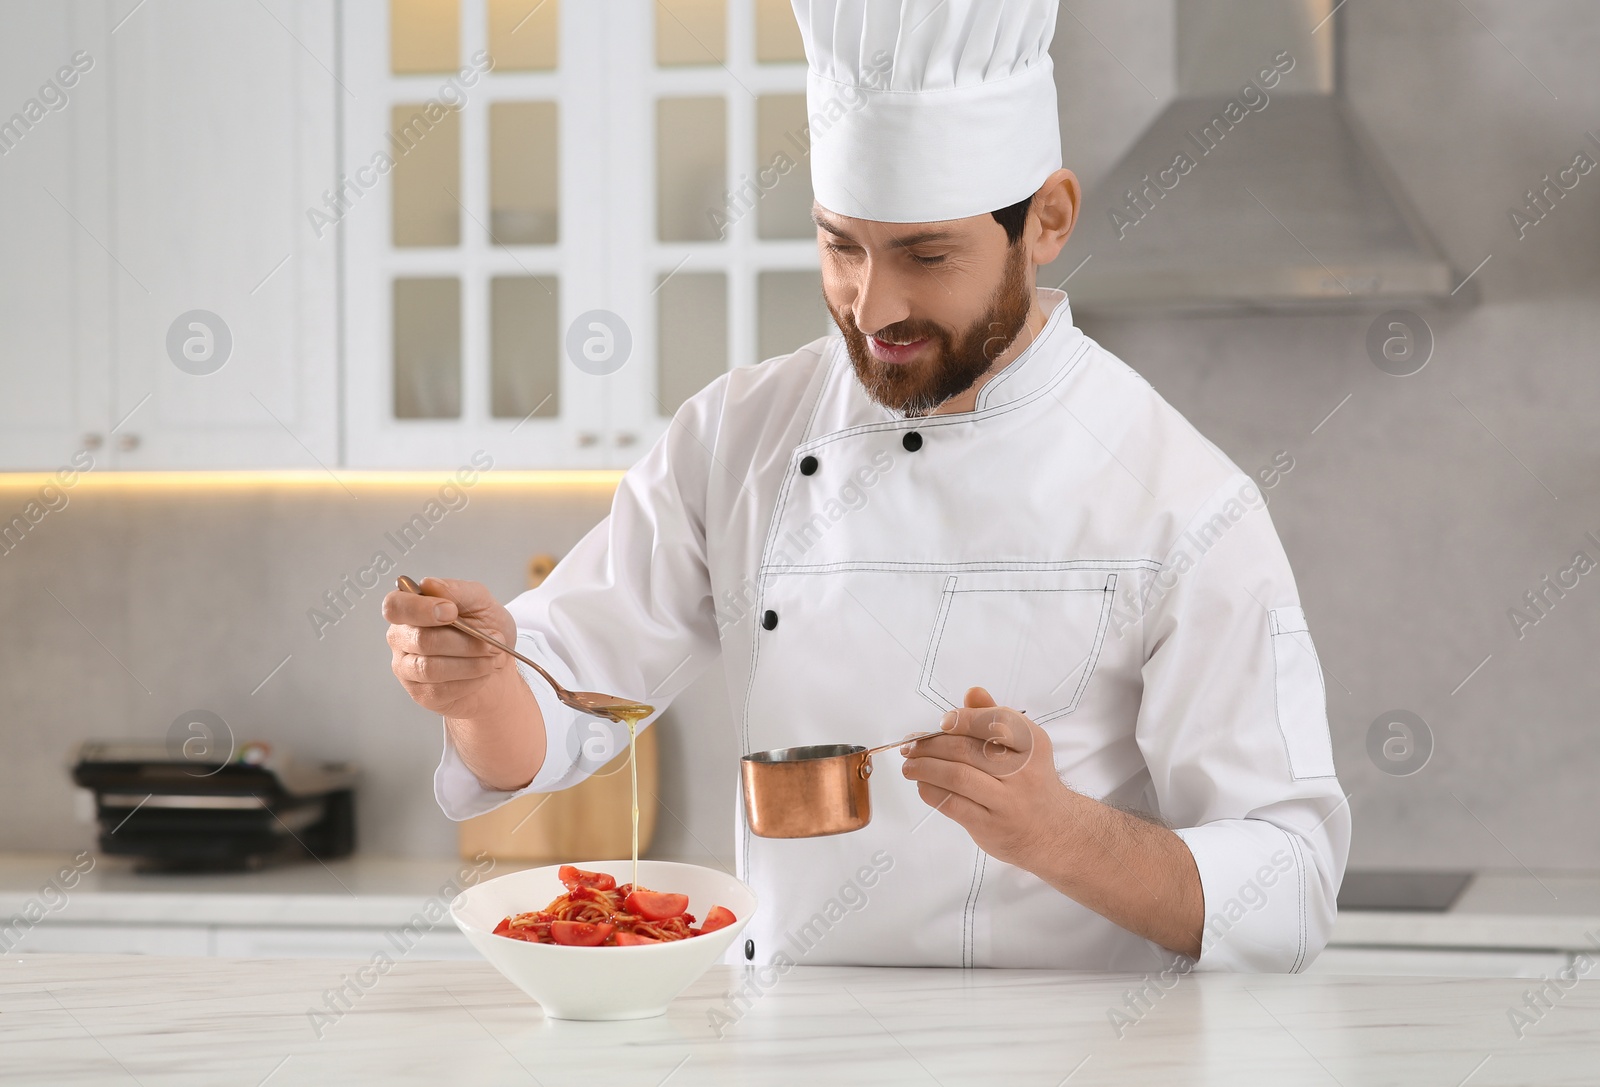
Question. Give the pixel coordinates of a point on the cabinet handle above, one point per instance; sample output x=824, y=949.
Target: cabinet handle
x=93, y=440
x=587, y=439
x=127, y=442
x=626, y=438
x=539, y=568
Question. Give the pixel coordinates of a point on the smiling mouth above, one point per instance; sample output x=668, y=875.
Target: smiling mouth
x=889, y=351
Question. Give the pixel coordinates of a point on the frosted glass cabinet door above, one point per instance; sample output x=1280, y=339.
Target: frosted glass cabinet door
x=224, y=303
x=718, y=262
x=691, y=335
x=524, y=34
x=524, y=174
x=783, y=163
x=574, y=244
x=691, y=167
x=777, y=37
x=425, y=210
x=525, y=353
x=467, y=265
x=427, y=348
x=691, y=32
x=790, y=312
x=424, y=36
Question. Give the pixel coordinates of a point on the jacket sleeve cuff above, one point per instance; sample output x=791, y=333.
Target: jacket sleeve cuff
x=1262, y=912
x=457, y=789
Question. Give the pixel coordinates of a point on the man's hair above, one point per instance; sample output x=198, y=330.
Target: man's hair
x=1014, y=218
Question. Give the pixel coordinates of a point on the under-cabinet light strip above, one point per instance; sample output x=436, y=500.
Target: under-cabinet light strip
x=239, y=480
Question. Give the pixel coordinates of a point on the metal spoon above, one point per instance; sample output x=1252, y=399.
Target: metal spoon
x=607, y=706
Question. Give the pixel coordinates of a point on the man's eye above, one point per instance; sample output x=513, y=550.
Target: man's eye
x=928, y=261
x=834, y=247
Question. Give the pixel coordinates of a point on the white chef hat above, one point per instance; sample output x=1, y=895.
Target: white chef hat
x=925, y=110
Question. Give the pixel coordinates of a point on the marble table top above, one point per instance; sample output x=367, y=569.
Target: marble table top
x=93, y=1019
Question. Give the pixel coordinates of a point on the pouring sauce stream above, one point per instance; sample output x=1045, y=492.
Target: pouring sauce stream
x=631, y=718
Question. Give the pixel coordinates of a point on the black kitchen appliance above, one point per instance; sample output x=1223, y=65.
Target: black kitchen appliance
x=1407, y=889
x=182, y=813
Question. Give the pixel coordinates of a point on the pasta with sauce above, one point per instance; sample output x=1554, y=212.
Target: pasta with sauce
x=596, y=912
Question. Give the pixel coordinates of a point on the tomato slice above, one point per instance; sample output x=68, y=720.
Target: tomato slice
x=579, y=933
x=537, y=933
x=633, y=939
x=577, y=877
x=532, y=928
x=656, y=905
x=719, y=917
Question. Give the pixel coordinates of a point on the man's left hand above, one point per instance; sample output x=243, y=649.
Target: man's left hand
x=994, y=773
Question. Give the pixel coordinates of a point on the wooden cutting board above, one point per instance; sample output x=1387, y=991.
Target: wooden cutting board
x=593, y=820
x=590, y=821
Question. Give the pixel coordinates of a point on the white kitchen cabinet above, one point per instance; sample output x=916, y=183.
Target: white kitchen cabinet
x=222, y=137
x=53, y=219
x=472, y=243
x=678, y=200
x=596, y=225
x=176, y=310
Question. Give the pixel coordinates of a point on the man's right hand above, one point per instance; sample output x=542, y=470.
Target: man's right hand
x=442, y=669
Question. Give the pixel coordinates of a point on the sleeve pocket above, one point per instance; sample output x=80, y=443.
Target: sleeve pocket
x=1301, y=697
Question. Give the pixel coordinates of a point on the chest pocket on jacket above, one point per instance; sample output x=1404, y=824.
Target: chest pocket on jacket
x=1030, y=637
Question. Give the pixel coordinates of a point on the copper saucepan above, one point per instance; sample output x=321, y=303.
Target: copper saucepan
x=807, y=792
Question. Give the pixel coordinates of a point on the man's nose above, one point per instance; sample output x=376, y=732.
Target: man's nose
x=880, y=300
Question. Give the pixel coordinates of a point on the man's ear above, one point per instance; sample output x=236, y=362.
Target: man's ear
x=1055, y=209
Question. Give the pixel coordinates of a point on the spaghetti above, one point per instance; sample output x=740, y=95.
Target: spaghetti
x=594, y=911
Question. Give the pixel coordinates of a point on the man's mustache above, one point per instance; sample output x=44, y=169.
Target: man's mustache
x=905, y=331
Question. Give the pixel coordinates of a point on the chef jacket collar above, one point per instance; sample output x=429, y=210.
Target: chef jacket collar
x=1041, y=362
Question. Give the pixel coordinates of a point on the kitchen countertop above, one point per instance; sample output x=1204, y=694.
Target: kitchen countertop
x=358, y=891
x=1500, y=909
x=93, y=1019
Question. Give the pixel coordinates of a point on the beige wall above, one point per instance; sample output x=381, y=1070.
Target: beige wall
x=1412, y=529
x=188, y=598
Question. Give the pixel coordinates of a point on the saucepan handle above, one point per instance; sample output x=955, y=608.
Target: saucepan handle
x=869, y=752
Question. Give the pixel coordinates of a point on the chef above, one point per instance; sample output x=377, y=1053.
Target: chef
x=959, y=513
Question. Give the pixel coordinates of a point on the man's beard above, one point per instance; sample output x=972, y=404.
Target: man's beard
x=949, y=365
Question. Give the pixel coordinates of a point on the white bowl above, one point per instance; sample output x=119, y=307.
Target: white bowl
x=602, y=982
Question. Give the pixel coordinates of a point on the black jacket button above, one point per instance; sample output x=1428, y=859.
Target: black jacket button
x=769, y=619
x=912, y=441
x=808, y=466
x=749, y=949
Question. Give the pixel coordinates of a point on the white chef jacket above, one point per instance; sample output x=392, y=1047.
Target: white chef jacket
x=1072, y=544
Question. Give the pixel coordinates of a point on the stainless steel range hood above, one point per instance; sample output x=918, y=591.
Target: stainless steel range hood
x=1256, y=188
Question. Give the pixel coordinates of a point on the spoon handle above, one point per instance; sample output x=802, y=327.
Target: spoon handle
x=907, y=740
